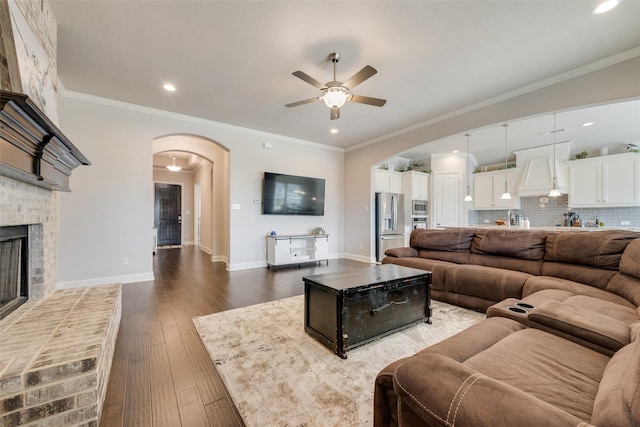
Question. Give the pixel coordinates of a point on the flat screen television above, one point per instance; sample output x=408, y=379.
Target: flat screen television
x=292, y=195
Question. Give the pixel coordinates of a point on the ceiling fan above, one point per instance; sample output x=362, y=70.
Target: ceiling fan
x=335, y=94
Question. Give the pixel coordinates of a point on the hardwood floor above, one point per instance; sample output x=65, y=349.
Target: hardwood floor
x=161, y=373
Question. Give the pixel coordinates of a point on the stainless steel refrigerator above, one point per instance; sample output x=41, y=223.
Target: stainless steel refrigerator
x=389, y=222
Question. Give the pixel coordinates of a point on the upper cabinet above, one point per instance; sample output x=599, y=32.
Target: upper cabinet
x=605, y=181
x=415, y=185
x=489, y=186
x=387, y=181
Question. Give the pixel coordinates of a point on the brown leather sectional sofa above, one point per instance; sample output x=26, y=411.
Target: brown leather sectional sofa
x=560, y=345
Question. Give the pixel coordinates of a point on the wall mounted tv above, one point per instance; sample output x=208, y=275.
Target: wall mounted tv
x=292, y=195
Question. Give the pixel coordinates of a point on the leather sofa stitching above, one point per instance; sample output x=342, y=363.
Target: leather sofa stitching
x=455, y=395
x=475, y=377
x=600, y=249
x=420, y=404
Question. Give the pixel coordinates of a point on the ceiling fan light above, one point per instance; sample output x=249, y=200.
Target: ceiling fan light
x=334, y=97
x=605, y=6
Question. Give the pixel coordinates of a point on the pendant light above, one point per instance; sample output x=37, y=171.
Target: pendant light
x=505, y=195
x=554, y=191
x=173, y=167
x=468, y=197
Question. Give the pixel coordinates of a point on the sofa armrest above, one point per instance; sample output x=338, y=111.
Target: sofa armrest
x=402, y=252
x=440, y=391
x=584, y=323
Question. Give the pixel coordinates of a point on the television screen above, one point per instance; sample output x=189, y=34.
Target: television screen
x=292, y=195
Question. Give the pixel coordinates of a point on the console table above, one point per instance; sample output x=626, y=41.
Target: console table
x=297, y=249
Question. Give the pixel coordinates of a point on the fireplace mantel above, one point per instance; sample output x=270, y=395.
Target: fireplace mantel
x=32, y=148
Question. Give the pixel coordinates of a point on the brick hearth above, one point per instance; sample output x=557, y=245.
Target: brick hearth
x=56, y=355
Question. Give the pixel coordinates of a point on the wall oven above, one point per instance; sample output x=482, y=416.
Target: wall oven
x=418, y=222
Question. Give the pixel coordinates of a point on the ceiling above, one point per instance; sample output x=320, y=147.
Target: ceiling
x=231, y=61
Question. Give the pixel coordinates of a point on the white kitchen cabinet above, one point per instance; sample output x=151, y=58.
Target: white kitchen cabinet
x=297, y=248
x=387, y=181
x=489, y=186
x=605, y=181
x=415, y=185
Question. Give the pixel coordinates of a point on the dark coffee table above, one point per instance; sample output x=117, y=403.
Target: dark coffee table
x=345, y=310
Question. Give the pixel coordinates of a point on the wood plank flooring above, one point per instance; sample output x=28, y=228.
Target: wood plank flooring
x=161, y=373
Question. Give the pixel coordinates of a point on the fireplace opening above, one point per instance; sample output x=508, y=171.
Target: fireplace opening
x=14, y=268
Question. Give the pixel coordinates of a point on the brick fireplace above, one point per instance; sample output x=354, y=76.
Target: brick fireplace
x=25, y=204
x=56, y=349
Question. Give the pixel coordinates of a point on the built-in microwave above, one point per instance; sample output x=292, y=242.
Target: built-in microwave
x=418, y=207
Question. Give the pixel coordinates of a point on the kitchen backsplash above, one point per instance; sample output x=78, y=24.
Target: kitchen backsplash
x=551, y=214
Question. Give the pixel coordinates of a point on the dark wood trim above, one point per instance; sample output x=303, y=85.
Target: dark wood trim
x=32, y=148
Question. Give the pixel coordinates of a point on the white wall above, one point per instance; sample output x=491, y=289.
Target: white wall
x=109, y=213
x=596, y=85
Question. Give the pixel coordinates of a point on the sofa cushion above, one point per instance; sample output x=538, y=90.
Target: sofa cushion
x=516, y=264
x=436, y=268
x=454, y=240
x=457, y=257
x=528, y=378
x=626, y=286
x=596, y=277
x=602, y=323
x=401, y=252
x=595, y=249
x=490, y=283
x=557, y=371
x=523, y=244
x=539, y=283
x=617, y=402
x=630, y=261
x=459, y=347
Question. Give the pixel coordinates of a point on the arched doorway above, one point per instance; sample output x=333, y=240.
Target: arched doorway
x=205, y=191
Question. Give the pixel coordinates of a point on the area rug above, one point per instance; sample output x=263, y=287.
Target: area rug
x=277, y=374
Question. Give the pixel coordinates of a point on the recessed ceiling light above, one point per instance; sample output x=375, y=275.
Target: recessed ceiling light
x=334, y=130
x=455, y=151
x=605, y=6
x=169, y=87
x=587, y=124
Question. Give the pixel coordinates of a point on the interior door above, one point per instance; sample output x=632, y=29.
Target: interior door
x=168, y=216
x=447, y=200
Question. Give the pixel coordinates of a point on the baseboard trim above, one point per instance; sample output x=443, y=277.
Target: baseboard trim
x=219, y=258
x=246, y=265
x=361, y=258
x=130, y=278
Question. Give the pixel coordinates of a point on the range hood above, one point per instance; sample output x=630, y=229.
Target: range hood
x=536, y=166
x=32, y=148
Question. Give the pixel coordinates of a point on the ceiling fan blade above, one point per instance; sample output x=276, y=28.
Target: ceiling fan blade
x=335, y=113
x=306, y=101
x=360, y=76
x=307, y=78
x=377, y=102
